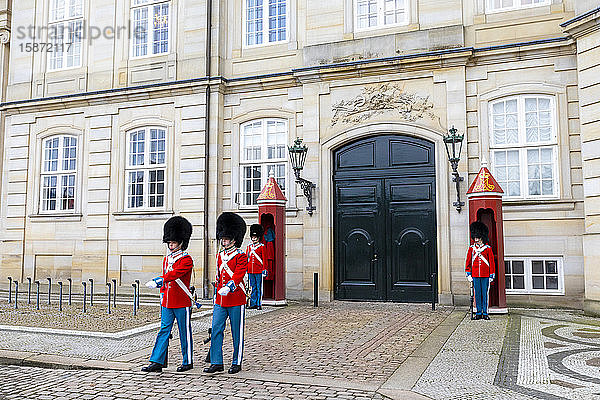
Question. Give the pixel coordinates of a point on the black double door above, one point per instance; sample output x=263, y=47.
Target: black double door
x=385, y=227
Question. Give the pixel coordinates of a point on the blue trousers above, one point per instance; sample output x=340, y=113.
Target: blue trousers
x=236, y=317
x=256, y=295
x=184, y=323
x=481, y=286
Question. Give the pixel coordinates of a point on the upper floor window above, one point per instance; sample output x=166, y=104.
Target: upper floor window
x=65, y=32
x=150, y=20
x=265, y=21
x=507, y=5
x=380, y=13
x=264, y=150
x=59, y=166
x=146, y=168
x=524, y=147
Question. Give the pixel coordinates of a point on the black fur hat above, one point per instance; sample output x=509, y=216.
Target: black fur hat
x=479, y=230
x=232, y=226
x=257, y=230
x=177, y=229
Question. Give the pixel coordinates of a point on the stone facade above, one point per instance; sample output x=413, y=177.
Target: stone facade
x=460, y=57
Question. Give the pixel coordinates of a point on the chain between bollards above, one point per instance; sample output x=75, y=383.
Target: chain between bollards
x=84, y=294
x=108, y=285
x=16, y=294
x=9, y=290
x=114, y=281
x=134, y=299
x=49, y=289
x=60, y=295
x=91, y=292
x=70, y=289
x=316, y=289
x=29, y=290
x=37, y=296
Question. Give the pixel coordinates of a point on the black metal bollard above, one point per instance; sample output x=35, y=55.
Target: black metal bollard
x=84, y=294
x=114, y=281
x=433, y=290
x=37, y=299
x=9, y=290
x=49, y=289
x=108, y=285
x=91, y=291
x=316, y=289
x=59, y=296
x=134, y=299
x=28, y=290
x=16, y=294
x=137, y=282
x=70, y=289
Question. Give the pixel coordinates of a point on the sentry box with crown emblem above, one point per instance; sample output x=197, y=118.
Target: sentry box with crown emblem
x=485, y=205
x=271, y=215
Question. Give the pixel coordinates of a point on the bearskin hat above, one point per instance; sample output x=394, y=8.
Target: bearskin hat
x=479, y=230
x=232, y=226
x=257, y=230
x=177, y=229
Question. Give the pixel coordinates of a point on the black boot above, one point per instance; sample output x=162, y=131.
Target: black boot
x=153, y=367
x=234, y=369
x=185, y=367
x=214, y=368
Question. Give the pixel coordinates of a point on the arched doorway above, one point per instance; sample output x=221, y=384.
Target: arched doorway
x=384, y=219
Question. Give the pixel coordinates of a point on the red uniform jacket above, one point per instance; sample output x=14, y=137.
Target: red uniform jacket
x=232, y=265
x=173, y=295
x=256, y=258
x=480, y=261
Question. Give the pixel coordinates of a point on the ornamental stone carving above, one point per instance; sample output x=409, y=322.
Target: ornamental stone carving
x=380, y=99
x=4, y=36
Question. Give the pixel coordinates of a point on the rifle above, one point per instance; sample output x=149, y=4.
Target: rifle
x=206, y=341
x=472, y=293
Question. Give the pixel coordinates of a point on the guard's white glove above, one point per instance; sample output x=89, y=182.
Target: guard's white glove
x=469, y=278
x=224, y=291
x=152, y=284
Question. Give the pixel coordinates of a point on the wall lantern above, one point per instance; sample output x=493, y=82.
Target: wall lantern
x=454, y=139
x=298, y=157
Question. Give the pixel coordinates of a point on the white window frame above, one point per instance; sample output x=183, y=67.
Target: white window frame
x=60, y=173
x=380, y=16
x=265, y=25
x=149, y=4
x=517, y=5
x=68, y=25
x=529, y=276
x=263, y=162
x=146, y=168
x=522, y=146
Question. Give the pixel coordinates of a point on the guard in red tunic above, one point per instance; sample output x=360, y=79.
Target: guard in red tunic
x=480, y=267
x=176, y=298
x=256, y=268
x=269, y=242
x=230, y=293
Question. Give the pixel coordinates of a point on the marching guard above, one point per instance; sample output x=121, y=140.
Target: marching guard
x=256, y=268
x=176, y=298
x=230, y=293
x=480, y=267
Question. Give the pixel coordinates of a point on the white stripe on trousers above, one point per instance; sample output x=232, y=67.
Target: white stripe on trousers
x=242, y=325
x=487, y=303
x=188, y=334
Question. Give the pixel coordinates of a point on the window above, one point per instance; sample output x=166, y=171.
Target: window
x=507, y=5
x=146, y=169
x=150, y=20
x=65, y=32
x=59, y=166
x=534, y=275
x=265, y=21
x=380, y=13
x=264, y=151
x=524, y=146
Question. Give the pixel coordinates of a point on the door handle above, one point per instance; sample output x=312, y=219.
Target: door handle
x=374, y=257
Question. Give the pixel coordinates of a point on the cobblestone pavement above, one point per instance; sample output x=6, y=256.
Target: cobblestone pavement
x=353, y=341
x=16, y=383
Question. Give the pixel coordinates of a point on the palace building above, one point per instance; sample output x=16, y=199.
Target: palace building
x=118, y=114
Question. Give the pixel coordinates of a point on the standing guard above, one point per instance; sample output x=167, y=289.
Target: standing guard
x=230, y=293
x=256, y=268
x=176, y=298
x=480, y=267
